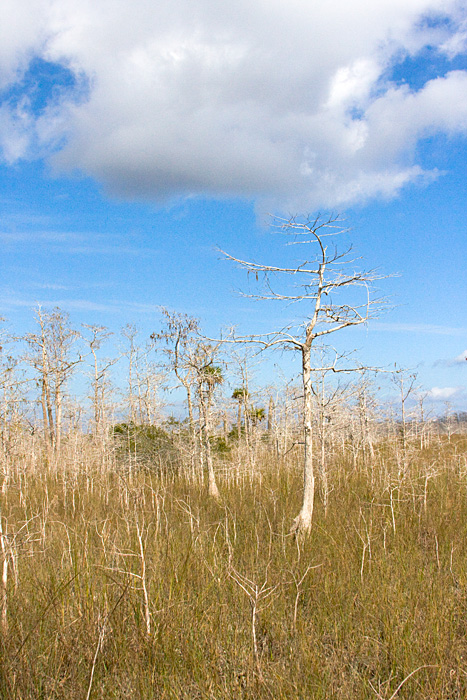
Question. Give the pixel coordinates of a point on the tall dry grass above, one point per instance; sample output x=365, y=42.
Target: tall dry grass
x=127, y=581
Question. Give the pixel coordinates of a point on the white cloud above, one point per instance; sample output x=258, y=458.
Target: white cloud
x=459, y=361
x=16, y=126
x=446, y=393
x=22, y=33
x=257, y=99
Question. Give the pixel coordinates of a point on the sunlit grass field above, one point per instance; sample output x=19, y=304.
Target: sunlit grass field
x=130, y=582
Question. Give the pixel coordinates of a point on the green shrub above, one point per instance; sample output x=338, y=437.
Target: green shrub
x=149, y=445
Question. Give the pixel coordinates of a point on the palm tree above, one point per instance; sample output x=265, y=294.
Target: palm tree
x=240, y=395
x=256, y=414
x=209, y=377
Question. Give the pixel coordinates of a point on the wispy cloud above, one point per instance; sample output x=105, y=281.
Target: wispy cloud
x=52, y=287
x=74, y=243
x=110, y=250
x=16, y=217
x=68, y=287
x=446, y=393
x=425, y=328
x=111, y=307
x=459, y=361
x=34, y=237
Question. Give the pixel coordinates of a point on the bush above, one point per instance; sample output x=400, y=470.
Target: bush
x=149, y=445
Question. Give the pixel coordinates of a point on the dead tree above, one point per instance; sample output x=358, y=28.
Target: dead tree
x=328, y=399
x=405, y=382
x=192, y=362
x=243, y=364
x=208, y=377
x=144, y=380
x=100, y=386
x=54, y=357
x=240, y=395
x=13, y=403
x=323, y=279
x=129, y=332
x=366, y=411
x=180, y=335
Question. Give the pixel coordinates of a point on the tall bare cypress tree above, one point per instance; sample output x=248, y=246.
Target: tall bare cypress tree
x=54, y=356
x=320, y=283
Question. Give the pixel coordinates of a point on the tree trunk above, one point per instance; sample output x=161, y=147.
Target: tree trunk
x=189, y=402
x=212, y=485
x=47, y=418
x=303, y=521
x=58, y=421
x=239, y=421
x=205, y=406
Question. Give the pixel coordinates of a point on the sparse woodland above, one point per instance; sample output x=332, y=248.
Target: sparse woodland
x=144, y=556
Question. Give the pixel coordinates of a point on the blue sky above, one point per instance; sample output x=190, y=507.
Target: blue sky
x=135, y=138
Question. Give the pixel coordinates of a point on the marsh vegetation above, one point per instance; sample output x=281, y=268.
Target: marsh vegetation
x=123, y=578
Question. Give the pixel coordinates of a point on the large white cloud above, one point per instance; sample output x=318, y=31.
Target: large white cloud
x=289, y=101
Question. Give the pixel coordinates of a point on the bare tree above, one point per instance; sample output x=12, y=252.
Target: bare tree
x=13, y=403
x=100, y=387
x=240, y=395
x=365, y=412
x=208, y=377
x=129, y=332
x=328, y=399
x=425, y=425
x=405, y=382
x=193, y=362
x=181, y=335
x=54, y=358
x=149, y=382
x=243, y=364
x=323, y=280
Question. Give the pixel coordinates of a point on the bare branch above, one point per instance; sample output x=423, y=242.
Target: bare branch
x=318, y=279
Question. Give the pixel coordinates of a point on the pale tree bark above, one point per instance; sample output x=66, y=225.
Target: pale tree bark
x=13, y=388
x=304, y=519
x=271, y=415
x=209, y=376
x=405, y=381
x=144, y=380
x=100, y=387
x=148, y=379
x=323, y=279
x=63, y=360
x=366, y=408
x=213, y=489
x=243, y=362
x=328, y=397
x=181, y=335
x=192, y=361
x=129, y=332
x=424, y=430
x=240, y=395
x=272, y=425
x=54, y=358
x=42, y=363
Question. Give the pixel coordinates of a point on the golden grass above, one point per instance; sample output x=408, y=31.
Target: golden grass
x=134, y=584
